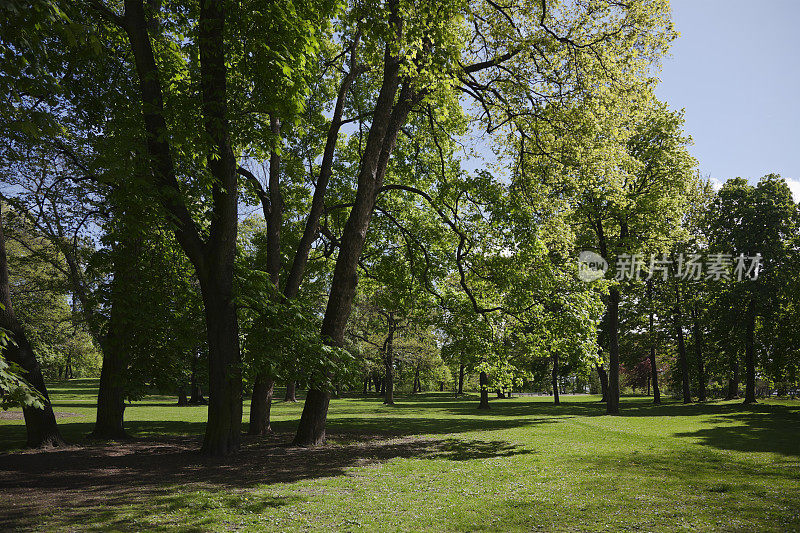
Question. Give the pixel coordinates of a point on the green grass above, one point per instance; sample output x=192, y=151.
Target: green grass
x=432, y=463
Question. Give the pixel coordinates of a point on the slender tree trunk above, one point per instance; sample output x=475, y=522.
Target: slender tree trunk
x=291, y=392
x=556, y=399
x=603, y=377
x=260, y=407
x=750, y=355
x=682, y=359
x=651, y=331
x=388, y=399
x=612, y=399
x=390, y=112
x=698, y=348
x=195, y=390
x=484, y=384
x=40, y=424
x=461, y=379
x=733, y=380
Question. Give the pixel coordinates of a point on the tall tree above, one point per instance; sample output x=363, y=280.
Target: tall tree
x=40, y=422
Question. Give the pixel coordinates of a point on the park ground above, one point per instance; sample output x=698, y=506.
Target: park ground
x=431, y=462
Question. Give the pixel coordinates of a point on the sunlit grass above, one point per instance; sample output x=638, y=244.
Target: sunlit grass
x=440, y=464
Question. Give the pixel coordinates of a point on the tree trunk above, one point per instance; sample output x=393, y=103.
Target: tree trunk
x=195, y=391
x=556, y=399
x=311, y=430
x=390, y=113
x=291, y=392
x=603, y=377
x=733, y=379
x=109, y=420
x=612, y=397
x=213, y=259
x=750, y=355
x=223, y=430
x=653, y=366
x=682, y=359
x=484, y=383
x=260, y=406
x=183, y=400
x=698, y=349
x=40, y=424
x=461, y=379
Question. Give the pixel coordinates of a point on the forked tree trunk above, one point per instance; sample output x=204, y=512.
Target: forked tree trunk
x=750, y=354
x=40, y=424
x=556, y=399
x=260, y=407
x=484, y=384
x=389, y=115
x=213, y=259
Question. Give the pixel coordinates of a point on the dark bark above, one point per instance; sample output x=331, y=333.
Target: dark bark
x=698, y=350
x=484, y=384
x=223, y=430
x=750, y=354
x=183, y=399
x=40, y=424
x=683, y=360
x=388, y=362
x=390, y=113
x=556, y=399
x=213, y=259
x=603, y=377
x=195, y=390
x=311, y=430
x=461, y=379
x=109, y=419
x=612, y=396
x=291, y=392
x=261, y=406
x=653, y=366
x=733, y=379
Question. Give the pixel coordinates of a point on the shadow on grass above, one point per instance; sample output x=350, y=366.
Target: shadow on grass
x=81, y=482
x=760, y=428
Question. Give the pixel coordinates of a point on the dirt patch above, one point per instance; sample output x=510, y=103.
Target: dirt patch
x=17, y=415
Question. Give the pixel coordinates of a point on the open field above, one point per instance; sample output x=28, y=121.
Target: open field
x=429, y=463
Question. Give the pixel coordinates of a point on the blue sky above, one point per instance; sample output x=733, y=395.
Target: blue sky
x=735, y=69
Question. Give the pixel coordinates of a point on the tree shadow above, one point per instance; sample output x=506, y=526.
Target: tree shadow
x=87, y=483
x=760, y=428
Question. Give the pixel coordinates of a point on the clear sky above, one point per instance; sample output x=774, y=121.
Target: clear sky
x=735, y=69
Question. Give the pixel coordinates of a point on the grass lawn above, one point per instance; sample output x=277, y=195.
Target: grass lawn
x=429, y=463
